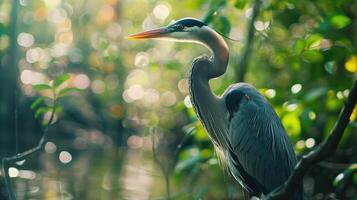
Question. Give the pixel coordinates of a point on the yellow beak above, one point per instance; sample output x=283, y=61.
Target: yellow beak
x=160, y=32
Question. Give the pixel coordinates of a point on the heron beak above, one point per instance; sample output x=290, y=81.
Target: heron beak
x=156, y=33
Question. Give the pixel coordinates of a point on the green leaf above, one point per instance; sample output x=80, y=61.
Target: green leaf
x=59, y=80
x=312, y=56
x=340, y=21
x=314, y=94
x=40, y=111
x=36, y=102
x=187, y=163
x=292, y=124
x=67, y=91
x=58, y=109
x=214, y=7
x=299, y=46
x=222, y=25
x=40, y=87
x=313, y=40
x=240, y=4
x=226, y=25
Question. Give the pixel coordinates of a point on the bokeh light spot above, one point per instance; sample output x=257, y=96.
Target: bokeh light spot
x=161, y=11
x=136, y=92
x=25, y=39
x=50, y=147
x=300, y=144
x=261, y=26
x=296, y=88
x=135, y=142
x=310, y=143
x=116, y=111
x=187, y=102
x=142, y=59
x=65, y=157
x=270, y=93
x=4, y=42
x=13, y=172
x=351, y=64
x=81, y=81
x=30, y=77
x=105, y=14
x=152, y=96
x=98, y=86
x=312, y=115
x=292, y=107
x=168, y=98
x=34, y=55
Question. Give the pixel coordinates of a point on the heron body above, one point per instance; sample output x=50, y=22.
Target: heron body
x=243, y=126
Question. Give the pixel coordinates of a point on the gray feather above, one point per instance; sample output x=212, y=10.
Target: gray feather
x=259, y=142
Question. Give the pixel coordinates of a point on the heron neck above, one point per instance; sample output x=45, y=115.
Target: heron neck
x=220, y=53
x=209, y=108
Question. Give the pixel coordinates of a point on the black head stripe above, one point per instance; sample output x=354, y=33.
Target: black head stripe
x=190, y=22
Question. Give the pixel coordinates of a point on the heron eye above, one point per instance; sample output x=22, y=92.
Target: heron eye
x=179, y=27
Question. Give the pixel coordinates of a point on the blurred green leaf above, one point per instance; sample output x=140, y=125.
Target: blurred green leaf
x=59, y=80
x=67, y=91
x=189, y=129
x=292, y=124
x=41, y=87
x=40, y=111
x=222, y=25
x=340, y=21
x=187, y=163
x=214, y=7
x=299, y=46
x=240, y=4
x=315, y=93
x=36, y=102
x=312, y=56
x=333, y=104
x=312, y=40
x=353, y=124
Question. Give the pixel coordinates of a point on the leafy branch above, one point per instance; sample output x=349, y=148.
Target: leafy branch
x=321, y=152
x=244, y=58
x=57, y=93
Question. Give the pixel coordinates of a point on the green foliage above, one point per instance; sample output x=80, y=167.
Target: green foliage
x=240, y=4
x=340, y=21
x=55, y=94
x=41, y=87
x=60, y=79
x=303, y=59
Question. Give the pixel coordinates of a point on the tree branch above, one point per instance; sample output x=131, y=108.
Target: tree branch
x=243, y=61
x=321, y=152
x=22, y=156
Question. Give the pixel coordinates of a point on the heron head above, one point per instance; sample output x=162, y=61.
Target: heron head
x=183, y=30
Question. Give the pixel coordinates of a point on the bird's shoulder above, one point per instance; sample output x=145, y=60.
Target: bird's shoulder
x=203, y=59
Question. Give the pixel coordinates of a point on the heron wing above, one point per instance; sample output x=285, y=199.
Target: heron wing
x=261, y=155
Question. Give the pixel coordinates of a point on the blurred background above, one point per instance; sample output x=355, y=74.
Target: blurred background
x=130, y=132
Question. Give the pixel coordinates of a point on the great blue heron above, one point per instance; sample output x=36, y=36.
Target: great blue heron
x=241, y=123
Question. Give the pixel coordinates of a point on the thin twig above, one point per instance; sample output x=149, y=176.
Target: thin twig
x=243, y=61
x=162, y=167
x=321, y=152
x=22, y=156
